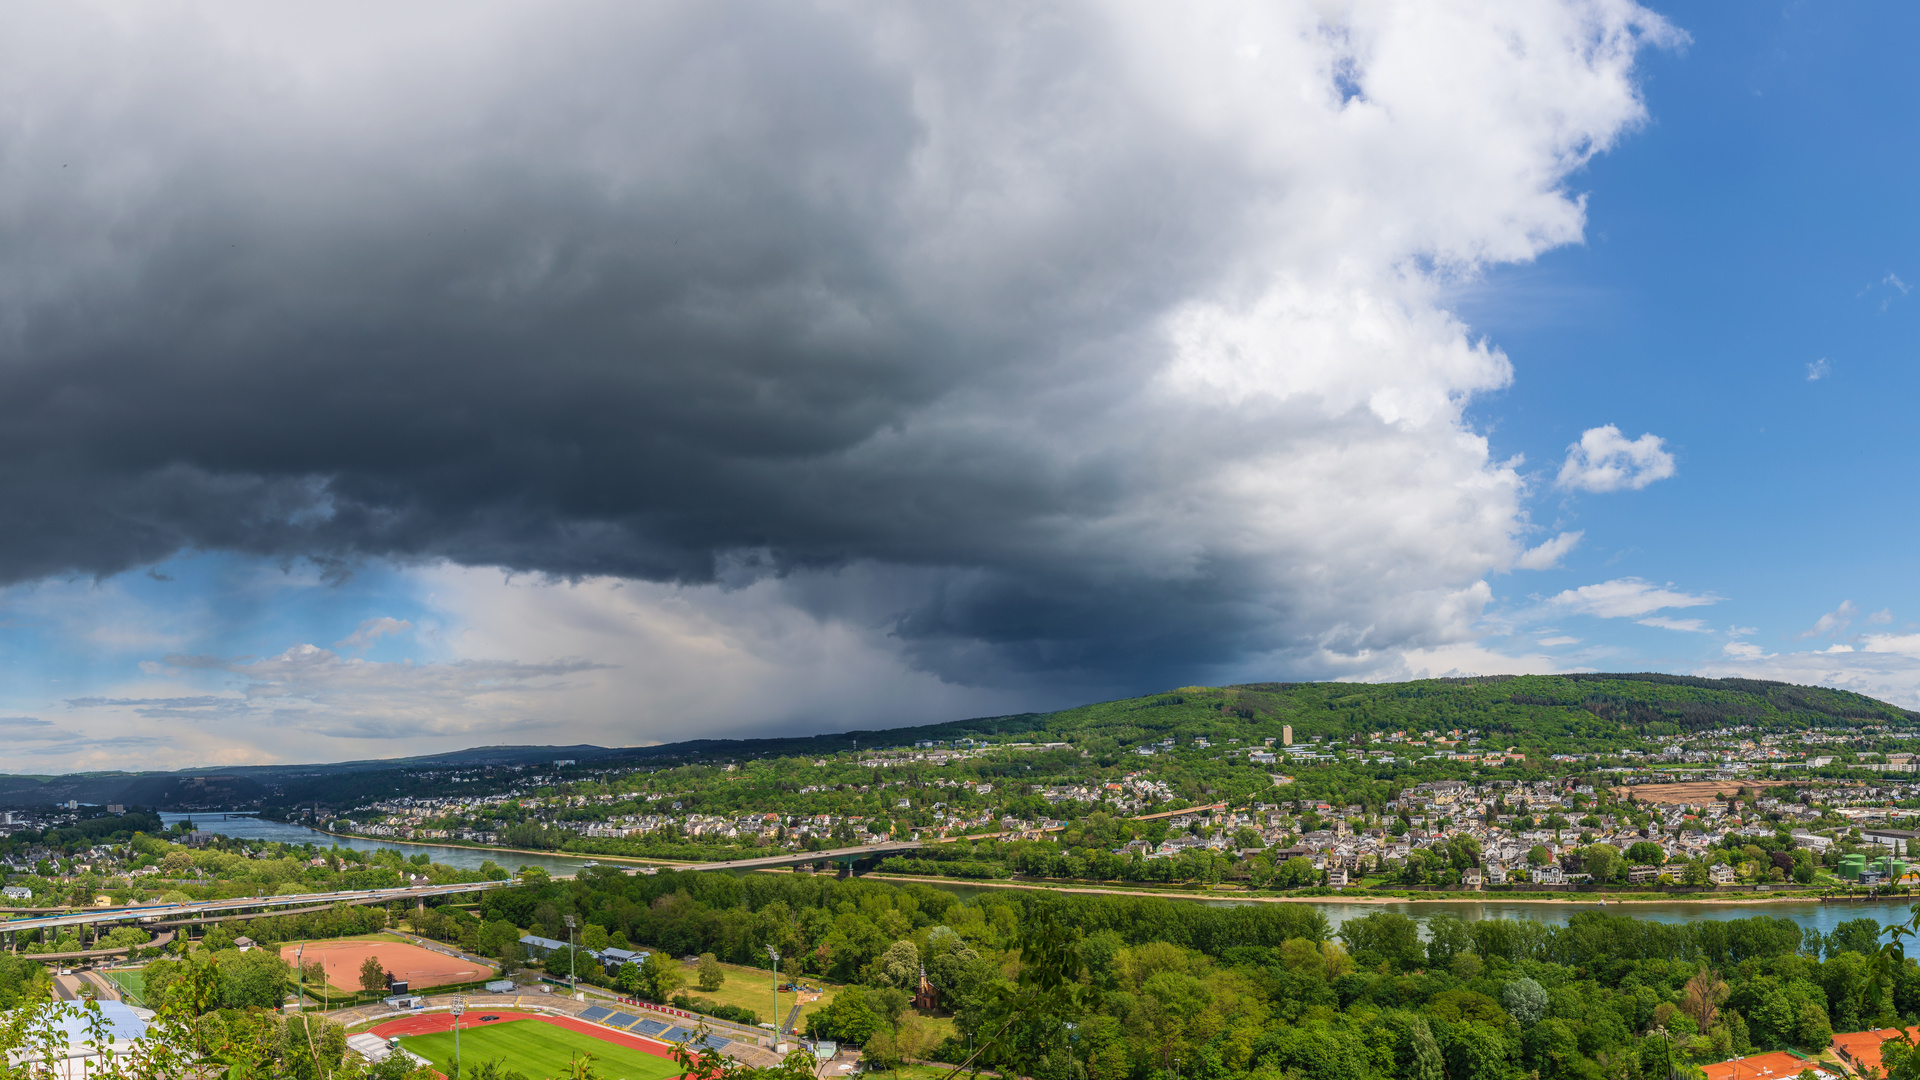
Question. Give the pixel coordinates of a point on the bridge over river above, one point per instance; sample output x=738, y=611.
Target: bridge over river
x=194, y=912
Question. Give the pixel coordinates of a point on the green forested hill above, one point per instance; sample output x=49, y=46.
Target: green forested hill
x=1554, y=712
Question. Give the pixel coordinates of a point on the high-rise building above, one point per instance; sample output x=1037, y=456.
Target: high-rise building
x=1286, y=735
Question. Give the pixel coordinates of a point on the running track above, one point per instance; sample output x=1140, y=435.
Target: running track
x=430, y=1023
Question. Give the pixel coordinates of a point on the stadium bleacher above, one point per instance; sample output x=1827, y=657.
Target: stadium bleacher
x=651, y=1028
x=678, y=1034
x=715, y=1041
x=597, y=1013
x=621, y=1020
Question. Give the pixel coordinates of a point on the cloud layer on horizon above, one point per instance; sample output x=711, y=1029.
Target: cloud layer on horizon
x=1091, y=345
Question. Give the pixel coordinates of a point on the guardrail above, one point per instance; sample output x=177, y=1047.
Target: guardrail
x=187, y=911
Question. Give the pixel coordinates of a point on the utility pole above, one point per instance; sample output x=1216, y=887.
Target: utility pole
x=1072, y=1035
x=774, y=955
x=459, y=1006
x=572, y=960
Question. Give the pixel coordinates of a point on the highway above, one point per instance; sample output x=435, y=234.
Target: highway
x=200, y=911
x=196, y=910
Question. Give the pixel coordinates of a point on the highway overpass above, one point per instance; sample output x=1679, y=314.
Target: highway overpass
x=204, y=911
x=194, y=911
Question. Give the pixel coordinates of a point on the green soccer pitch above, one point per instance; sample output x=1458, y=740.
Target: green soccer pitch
x=537, y=1049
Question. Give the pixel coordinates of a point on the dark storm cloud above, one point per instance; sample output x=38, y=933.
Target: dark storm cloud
x=651, y=291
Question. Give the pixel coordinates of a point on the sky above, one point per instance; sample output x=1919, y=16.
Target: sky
x=384, y=381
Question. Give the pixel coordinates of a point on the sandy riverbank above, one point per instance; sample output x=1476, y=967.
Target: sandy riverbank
x=1583, y=899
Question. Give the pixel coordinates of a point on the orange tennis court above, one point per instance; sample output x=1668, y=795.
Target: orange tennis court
x=415, y=966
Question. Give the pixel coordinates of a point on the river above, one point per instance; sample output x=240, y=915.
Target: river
x=251, y=827
x=1823, y=917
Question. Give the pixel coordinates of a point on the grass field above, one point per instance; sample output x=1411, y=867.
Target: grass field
x=752, y=988
x=132, y=983
x=538, y=1050
x=917, y=1072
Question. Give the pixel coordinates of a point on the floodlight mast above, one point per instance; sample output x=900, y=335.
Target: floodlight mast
x=573, y=961
x=774, y=955
x=459, y=1006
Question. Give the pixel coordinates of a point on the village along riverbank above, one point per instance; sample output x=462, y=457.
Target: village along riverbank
x=1804, y=913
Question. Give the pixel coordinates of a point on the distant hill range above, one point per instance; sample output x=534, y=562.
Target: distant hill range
x=1578, y=713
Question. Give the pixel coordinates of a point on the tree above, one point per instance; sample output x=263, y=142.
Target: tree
x=1854, y=935
x=372, y=975
x=1447, y=936
x=1295, y=873
x=1525, y=1000
x=1476, y=1051
x=899, y=966
x=1459, y=1006
x=889, y=1004
x=1602, y=861
x=1703, y=995
x=1803, y=866
x=882, y=1051
x=1415, y=1051
x=1812, y=1031
x=1646, y=853
x=1383, y=936
x=1537, y=855
x=593, y=937
x=712, y=975
x=660, y=977
x=125, y=937
x=253, y=979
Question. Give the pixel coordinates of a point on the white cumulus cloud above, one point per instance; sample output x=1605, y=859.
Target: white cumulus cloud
x=1626, y=598
x=373, y=630
x=1692, y=626
x=1546, y=556
x=1833, y=622
x=1605, y=460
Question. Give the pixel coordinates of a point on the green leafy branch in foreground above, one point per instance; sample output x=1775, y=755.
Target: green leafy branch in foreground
x=189, y=1038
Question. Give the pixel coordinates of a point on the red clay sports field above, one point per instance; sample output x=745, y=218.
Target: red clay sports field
x=433, y=1023
x=415, y=966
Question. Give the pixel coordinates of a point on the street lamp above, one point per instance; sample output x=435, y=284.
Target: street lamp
x=459, y=1006
x=774, y=955
x=572, y=960
x=1073, y=1034
x=300, y=980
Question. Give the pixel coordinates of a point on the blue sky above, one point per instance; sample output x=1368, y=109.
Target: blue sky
x=921, y=365
x=1757, y=231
